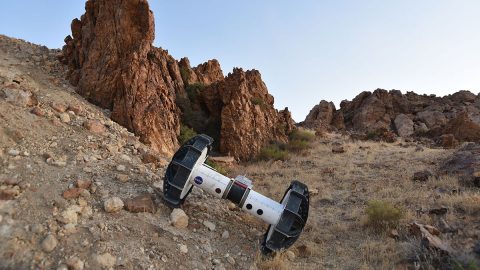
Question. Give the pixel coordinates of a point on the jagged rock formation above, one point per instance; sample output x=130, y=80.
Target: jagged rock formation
x=324, y=116
x=112, y=62
x=114, y=65
x=244, y=110
x=206, y=73
x=407, y=114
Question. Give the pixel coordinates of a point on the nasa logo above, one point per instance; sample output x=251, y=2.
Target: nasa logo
x=198, y=180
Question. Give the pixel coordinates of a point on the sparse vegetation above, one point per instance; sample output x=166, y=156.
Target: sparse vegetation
x=186, y=134
x=193, y=90
x=273, y=151
x=300, y=140
x=184, y=73
x=382, y=215
x=258, y=101
x=301, y=134
x=219, y=168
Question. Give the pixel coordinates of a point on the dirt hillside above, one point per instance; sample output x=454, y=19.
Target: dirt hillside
x=65, y=167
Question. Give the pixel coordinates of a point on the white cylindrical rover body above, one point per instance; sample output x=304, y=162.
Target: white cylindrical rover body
x=187, y=169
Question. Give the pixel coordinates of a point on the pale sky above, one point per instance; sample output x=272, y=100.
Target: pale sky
x=306, y=50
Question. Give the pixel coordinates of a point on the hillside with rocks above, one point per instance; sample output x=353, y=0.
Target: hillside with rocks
x=113, y=64
x=87, y=131
x=447, y=120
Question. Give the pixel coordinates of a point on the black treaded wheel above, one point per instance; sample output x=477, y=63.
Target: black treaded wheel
x=178, y=171
x=292, y=221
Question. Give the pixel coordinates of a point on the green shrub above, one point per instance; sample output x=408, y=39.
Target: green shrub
x=186, y=134
x=297, y=145
x=258, y=101
x=382, y=215
x=217, y=167
x=273, y=152
x=193, y=90
x=184, y=73
x=302, y=135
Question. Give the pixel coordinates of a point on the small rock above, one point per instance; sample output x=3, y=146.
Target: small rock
x=290, y=255
x=394, y=234
x=69, y=216
x=142, y=203
x=178, y=218
x=38, y=111
x=61, y=108
x=122, y=178
x=13, y=152
x=231, y=206
x=74, y=263
x=338, y=149
x=106, y=260
x=76, y=108
x=183, y=248
x=113, y=204
x=422, y=176
x=225, y=235
x=72, y=193
x=150, y=157
x=125, y=157
x=438, y=211
x=94, y=126
x=210, y=225
x=83, y=183
x=62, y=267
x=231, y=260
x=216, y=261
x=65, y=118
x=49, y=243
x=121, y=168
x=304, y=251
x=9, y=193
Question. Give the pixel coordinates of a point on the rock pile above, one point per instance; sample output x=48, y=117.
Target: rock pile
x=407, y=114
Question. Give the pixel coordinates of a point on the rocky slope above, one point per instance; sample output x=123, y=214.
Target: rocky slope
x=112, y=62
x=456, y=115
x=78, y=191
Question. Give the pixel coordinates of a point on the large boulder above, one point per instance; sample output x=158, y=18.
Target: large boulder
x=320, y=115
x=404, y=125
x=114, y=65
x=463, y=128
x=433, y=119
x=465, y=163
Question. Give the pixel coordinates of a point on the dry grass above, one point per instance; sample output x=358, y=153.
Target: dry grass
x=346, y=182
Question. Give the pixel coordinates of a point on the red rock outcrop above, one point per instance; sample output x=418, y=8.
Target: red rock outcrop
x=407, y=114
x=205, y=74
x=113, y=63
x=248, y=120
x=320, y=115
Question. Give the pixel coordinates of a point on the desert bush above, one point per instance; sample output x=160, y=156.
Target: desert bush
x=184, y=74
x=258, y=101
x=186, y=134
x=273, y=151
x=302, y=135
x=219, y=168
x=382, y=215
x=193, y=90
x=297, y=145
